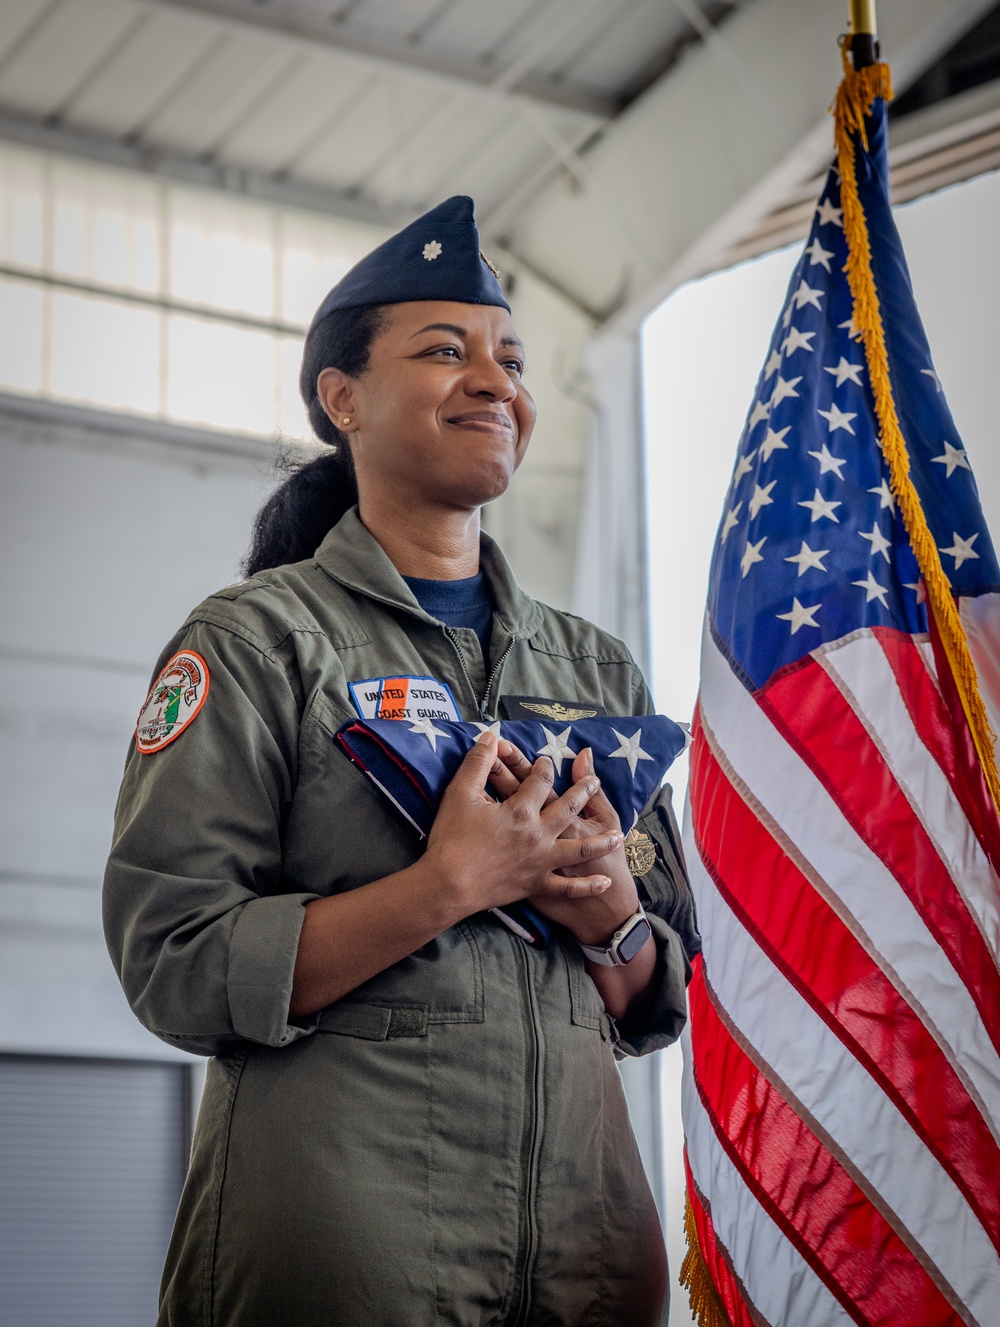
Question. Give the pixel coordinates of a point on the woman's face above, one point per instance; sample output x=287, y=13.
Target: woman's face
x=441, y=412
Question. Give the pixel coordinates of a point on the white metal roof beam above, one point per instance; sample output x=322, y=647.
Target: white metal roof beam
x=709, y=150
x=193, y=170
x=391, y=57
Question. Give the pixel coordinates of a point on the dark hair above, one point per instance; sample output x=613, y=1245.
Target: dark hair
x=310, y=501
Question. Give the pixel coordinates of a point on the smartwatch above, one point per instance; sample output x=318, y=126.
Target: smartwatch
x=625, y=943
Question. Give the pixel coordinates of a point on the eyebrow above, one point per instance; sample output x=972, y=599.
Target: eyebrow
x=463, y=331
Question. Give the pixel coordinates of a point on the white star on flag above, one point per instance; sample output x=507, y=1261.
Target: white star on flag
x=493, y=727
x=828, y=462
x=873, y=590
x=827, y=214
x=931, y=374
x=761, y=498
x=760, y=411
x=796, y=340
x=743, y=466
x=732, y=520
x=773, y=364
x=961, y=550
x=629, y=750
x=806, y=295
x=878, y=541
x=556, y=747
x=819, y=507
x=752, y=554
x=954, y=458
x=837, y=418
x=799, y=616
x=426, y=726
x=886, y=498
x=852, y=331
x=808, y=557
x=784, y=387
x=773, y=440
x=845, y=372
x=817, y=254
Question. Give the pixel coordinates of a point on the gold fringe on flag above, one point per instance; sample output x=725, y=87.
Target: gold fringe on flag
x=853, y=102
x=702, y=1294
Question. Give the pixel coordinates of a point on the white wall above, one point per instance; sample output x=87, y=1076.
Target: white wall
x=110, y=531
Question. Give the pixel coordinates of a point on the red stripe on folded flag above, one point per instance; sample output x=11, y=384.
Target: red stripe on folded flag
x=727, y=1286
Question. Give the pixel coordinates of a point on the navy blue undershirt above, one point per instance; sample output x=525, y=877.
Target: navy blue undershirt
x=465, y=603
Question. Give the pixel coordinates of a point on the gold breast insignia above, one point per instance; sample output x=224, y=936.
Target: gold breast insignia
x=554, y=710
x=640, y=852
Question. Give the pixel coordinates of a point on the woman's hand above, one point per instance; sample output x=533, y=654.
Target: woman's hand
x=486, y=853
x=592, y=919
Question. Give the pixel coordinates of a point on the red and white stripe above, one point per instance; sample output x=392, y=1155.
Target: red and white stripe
x=842, y=1100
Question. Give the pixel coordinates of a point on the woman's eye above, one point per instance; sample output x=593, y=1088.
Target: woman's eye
x=452, y=351
x=514, y=365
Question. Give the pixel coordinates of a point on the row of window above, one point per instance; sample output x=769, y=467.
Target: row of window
x=133, y=293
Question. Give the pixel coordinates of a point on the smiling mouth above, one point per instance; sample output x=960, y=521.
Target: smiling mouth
x=485, y=423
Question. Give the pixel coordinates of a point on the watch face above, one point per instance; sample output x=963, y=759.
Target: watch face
x=634, y=941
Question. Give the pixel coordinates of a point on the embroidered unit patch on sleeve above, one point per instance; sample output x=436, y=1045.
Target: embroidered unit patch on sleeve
x=173, y=701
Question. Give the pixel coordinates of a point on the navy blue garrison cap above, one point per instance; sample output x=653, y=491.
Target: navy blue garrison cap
x=436, y=257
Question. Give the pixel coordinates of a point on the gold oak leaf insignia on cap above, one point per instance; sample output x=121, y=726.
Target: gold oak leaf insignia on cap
x=556, y=711
x=432, y=249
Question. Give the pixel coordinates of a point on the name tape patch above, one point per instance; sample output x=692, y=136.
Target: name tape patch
x=173, y=701
x=403, y=698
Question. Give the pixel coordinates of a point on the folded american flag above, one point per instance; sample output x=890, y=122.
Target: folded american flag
x=412, y=763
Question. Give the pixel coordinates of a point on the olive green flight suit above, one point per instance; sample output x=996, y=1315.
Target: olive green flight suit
x=449, y=1144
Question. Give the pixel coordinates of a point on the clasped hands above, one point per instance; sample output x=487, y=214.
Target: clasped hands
x=532, y=844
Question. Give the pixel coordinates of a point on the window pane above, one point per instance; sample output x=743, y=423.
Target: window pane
x=221, y=253
x=105, y=352
x=20, y=336
x=223, y=376
x=291, y=412
x=21, y=191
x=105, y=226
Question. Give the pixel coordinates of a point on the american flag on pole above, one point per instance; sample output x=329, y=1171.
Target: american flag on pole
x=842, y=1063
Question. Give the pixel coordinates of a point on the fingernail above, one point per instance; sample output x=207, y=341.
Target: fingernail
x=504, y=747
x=589, y=753
x=484, y=737
x=593, y=785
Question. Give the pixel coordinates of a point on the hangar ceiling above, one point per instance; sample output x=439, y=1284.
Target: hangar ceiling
x=614, y=147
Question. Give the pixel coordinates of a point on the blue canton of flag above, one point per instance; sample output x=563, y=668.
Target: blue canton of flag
x=811, y=545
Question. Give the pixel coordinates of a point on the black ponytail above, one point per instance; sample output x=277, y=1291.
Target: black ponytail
x=296, y=518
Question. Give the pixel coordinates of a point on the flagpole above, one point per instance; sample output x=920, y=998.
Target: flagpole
x=864, y=43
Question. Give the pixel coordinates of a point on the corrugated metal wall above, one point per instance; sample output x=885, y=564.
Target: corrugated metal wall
x=92, y=1157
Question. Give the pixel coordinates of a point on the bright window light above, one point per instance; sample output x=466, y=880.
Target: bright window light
x=221, y=254
x=21, y=193
x=21, y=315
x=222, y=376
x=291, y=412
x=105, y=353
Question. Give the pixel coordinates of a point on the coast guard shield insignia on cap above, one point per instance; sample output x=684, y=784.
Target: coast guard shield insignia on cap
x=173, y=701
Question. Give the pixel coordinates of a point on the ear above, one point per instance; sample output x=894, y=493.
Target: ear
x=335, y=390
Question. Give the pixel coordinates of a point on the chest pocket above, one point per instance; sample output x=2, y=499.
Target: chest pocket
x=440, y=983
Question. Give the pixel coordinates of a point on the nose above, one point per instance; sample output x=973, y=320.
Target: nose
x=486, y=378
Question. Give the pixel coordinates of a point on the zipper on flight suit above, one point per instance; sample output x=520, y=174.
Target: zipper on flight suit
x=483, y=702
x=533, y=1100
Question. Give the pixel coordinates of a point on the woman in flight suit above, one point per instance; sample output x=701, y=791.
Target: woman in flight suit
x=411, y=1116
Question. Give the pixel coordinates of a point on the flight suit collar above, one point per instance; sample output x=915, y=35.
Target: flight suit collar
x=352, y=556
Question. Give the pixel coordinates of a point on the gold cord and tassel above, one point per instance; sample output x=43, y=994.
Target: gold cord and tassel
x=853, y=102
x=704, y=1298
